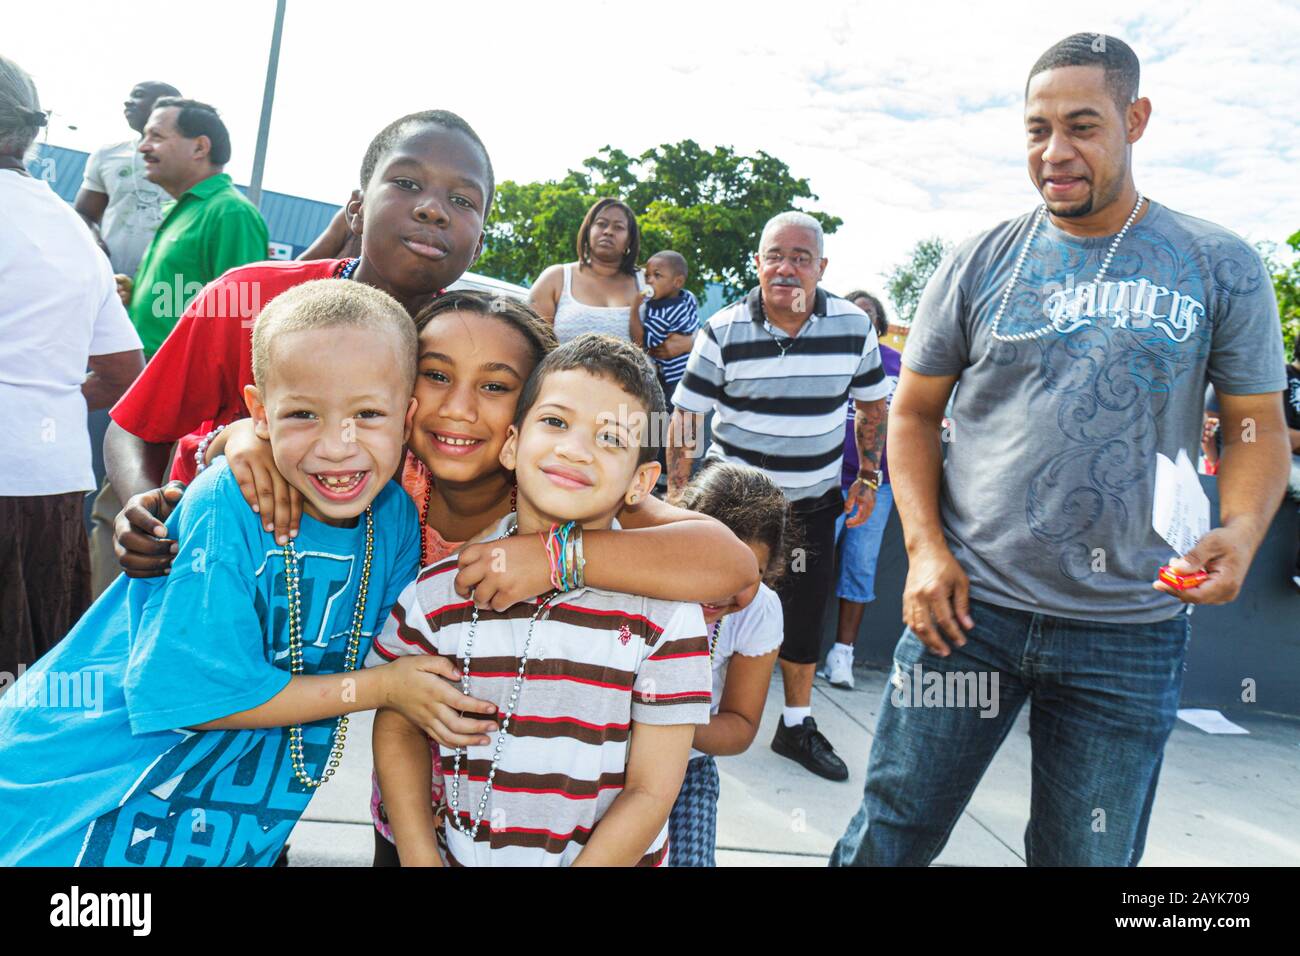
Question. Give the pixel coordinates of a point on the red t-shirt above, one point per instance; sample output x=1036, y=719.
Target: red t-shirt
x=196, y=380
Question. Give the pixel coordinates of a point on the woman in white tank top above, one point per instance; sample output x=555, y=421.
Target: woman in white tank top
x=594, y=294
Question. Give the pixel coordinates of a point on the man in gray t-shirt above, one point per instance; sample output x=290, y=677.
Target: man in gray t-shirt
x=1082, y=336
x=1047, y=490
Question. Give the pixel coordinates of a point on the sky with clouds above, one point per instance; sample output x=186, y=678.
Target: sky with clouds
x=905, y=117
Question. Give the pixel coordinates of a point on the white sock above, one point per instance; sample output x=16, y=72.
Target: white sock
x=793, y=716
x=842, y=649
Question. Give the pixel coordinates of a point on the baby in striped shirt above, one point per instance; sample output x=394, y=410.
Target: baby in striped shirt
x=598, y=693
x=665, y=319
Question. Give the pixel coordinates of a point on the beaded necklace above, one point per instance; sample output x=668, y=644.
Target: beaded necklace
x=349, y=659
x=713, y=645
x=424, y=515
x=1020, y=261
x=453, y=798
x=349, y=268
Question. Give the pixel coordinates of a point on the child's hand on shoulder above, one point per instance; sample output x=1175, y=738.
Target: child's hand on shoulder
x=261, y=484
x=503, y=572
x=420, y=688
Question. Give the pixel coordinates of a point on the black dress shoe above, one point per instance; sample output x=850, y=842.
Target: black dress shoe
x=805, y=745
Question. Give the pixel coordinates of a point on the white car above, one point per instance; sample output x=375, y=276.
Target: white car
x=472, y=280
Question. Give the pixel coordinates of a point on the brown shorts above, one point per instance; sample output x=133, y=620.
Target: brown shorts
x=44, y=574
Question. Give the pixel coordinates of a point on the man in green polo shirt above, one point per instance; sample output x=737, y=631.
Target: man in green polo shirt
x=209, y=229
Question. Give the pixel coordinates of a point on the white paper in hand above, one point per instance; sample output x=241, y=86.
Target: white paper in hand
x=1181, y=511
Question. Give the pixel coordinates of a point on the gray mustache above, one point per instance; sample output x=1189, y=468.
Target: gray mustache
x=782, y=280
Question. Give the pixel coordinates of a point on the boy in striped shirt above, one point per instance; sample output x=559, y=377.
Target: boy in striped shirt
x=599, y=693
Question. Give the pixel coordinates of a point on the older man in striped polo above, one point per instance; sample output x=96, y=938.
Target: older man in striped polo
x=776, y=369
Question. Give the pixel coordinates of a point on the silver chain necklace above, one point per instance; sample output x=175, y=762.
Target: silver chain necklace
x=1020, y=261
x=777, y=342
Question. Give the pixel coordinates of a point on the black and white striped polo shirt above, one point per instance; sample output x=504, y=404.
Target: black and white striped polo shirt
x=783, y=413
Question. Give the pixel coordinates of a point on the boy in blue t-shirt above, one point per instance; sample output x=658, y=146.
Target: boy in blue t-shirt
x=187, y=719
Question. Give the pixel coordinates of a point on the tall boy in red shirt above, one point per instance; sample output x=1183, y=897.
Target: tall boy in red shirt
x=427, y=185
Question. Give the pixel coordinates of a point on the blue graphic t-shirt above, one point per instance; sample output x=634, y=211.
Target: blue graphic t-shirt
x=1049, y=479
x=96, y=766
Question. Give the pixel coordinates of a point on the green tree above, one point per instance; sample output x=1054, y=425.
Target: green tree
x=709, y=205
x=1286, y=285
x=906, y=283
x=533, y=225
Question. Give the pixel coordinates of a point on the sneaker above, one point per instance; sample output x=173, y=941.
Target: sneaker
x=805, y=745
x=838, y=671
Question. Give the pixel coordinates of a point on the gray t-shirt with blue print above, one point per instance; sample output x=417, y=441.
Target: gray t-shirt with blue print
x=1048, y=482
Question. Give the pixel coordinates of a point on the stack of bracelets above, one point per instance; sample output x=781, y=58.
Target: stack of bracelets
x=564, y=552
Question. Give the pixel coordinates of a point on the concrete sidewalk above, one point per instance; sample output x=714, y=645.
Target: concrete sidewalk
x=1223, y=800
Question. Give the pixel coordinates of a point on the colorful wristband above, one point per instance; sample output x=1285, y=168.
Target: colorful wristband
x=548, y=543
x=579, y=562
x=563, y=545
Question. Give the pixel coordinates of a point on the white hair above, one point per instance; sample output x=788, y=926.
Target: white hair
x=20, y=110
x=792, y=218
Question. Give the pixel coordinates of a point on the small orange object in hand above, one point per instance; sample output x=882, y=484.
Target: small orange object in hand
x=1182, y=581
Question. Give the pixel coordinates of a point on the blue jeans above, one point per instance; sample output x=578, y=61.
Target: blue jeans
x=693, y=823
x=1103, y=700
x=860, y=549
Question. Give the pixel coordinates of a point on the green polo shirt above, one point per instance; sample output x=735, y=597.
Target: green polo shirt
x=209, y=229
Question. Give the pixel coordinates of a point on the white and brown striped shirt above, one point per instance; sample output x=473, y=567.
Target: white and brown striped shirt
x=600, y=663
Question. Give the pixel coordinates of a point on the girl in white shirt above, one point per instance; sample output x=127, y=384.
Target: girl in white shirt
x=745, y=635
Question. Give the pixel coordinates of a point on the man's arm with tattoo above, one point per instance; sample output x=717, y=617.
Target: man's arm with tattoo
x=683, y=441
x=870, y=422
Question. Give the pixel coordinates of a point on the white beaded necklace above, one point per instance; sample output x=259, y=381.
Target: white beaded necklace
x=453, y=800
x=1020, y=261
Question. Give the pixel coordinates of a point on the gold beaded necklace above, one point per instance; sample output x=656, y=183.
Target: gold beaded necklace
x=713, y=645
x=349, y=660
